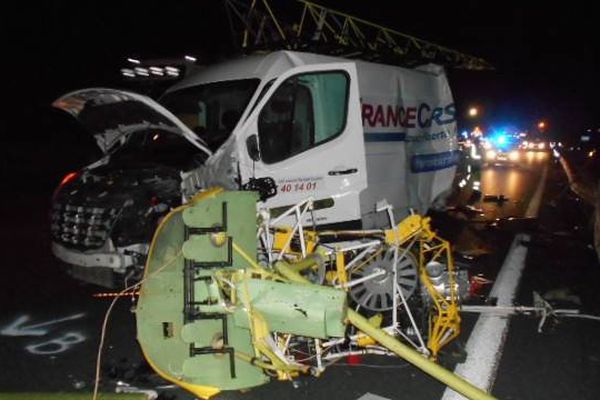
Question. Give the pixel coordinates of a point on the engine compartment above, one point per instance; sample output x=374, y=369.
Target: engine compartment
x=113, y=202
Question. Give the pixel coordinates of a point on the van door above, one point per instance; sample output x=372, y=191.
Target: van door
x=310, y=141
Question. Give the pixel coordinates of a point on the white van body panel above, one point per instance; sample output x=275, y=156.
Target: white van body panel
x=398, y=142
x=408, y=128
x=410, y=135
x=333, y=171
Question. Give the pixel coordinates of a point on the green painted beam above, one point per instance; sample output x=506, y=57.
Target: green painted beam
x=314, y=311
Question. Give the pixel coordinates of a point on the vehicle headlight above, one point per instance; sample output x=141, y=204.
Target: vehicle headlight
x=490, y=155
x=514, y=155
x=541, y=146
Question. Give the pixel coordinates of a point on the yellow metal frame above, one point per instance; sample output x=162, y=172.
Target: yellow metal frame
x=444, y=321
x=456, y=382
x=282, y=240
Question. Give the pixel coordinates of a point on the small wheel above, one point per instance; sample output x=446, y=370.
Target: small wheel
x=377, y=294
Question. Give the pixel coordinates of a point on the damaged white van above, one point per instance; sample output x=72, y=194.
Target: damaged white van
x=346, y=133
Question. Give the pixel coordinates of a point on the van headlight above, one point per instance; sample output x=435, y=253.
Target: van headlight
x=514, y=155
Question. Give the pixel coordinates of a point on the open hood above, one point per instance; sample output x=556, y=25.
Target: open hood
x=110, y=114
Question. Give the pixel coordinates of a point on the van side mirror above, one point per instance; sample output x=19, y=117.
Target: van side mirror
x=252, y=147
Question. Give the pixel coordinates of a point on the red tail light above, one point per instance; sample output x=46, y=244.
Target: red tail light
x=71, y=176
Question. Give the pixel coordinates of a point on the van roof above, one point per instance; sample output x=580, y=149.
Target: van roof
x=267, y=66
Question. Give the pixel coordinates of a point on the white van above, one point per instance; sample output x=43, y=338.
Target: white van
x=346, y=133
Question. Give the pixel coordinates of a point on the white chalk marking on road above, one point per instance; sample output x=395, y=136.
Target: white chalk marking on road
x=371, y=396
x=56, y=346
x=17, y=328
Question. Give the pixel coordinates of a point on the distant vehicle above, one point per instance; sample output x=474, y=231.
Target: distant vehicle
x=502, y=156
x=535, y=144
x=501, y=149
x=346, y=133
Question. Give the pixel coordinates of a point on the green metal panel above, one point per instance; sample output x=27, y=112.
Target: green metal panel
x=201, y=248
x=315, y=311
x=162, y=332
x=241, y=225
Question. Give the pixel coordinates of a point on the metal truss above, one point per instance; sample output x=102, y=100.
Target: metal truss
x=315, y=28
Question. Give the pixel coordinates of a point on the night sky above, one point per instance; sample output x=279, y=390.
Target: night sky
x=546, y=55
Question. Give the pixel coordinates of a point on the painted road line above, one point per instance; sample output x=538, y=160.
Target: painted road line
x=486, y=342
x=536, y=200
x=485, y=345
x=371, y=396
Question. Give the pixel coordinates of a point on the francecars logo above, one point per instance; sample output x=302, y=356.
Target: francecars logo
x=421, y=116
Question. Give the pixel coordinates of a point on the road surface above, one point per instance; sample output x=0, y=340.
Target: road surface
x=50, y=324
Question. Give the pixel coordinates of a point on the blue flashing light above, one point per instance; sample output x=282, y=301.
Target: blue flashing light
x=504, y=138
x=501, y=141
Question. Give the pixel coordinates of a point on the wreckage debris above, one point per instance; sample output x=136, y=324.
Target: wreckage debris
x=495, y=198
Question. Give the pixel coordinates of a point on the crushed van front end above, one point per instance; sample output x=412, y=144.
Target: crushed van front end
x=102, y=222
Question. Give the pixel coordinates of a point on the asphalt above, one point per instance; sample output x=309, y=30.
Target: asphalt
x=563, y=361
x=46, y=352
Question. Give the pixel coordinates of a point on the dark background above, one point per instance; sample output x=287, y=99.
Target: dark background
x=546, y=58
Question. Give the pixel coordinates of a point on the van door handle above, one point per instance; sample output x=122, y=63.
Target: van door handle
x=348, y=171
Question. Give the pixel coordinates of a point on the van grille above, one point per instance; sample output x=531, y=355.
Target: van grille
x=82, y=227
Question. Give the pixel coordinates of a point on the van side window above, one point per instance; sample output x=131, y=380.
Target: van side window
x=305, y=111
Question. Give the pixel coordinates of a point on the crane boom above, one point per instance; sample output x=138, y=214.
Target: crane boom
x=314, y=28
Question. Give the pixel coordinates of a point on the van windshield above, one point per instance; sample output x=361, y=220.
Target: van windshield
x=211, y=110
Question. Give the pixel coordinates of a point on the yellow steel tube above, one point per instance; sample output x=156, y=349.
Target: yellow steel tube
x=261, y=364
x=440, y=373
x=310, y=261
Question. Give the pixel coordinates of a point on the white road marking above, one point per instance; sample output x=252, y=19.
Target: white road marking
x=536, y=200
x=371, y=396
x=485, y=345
